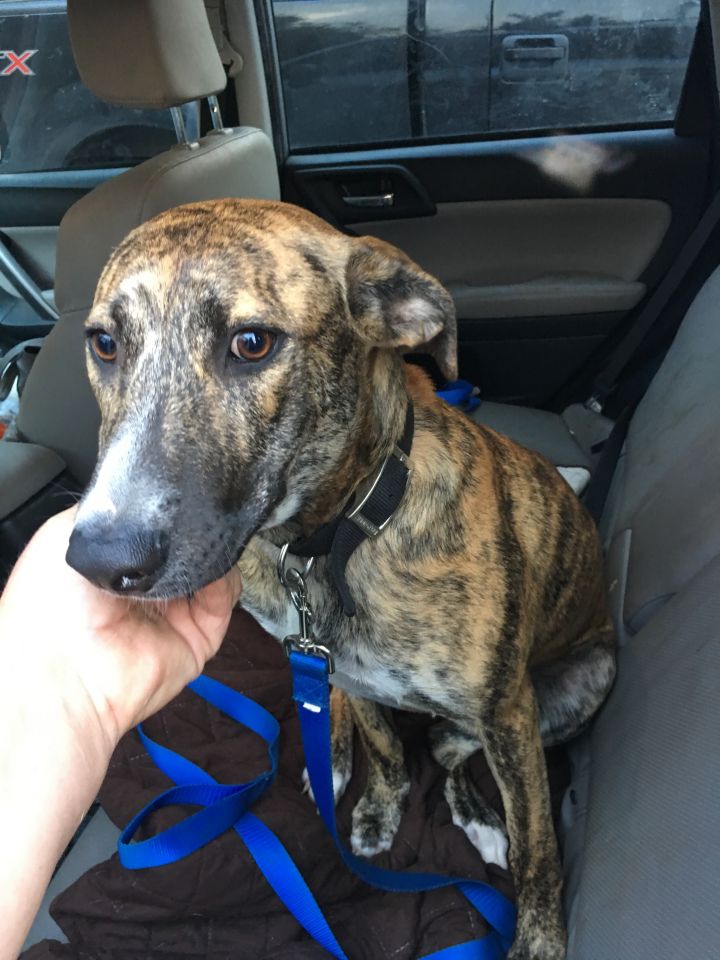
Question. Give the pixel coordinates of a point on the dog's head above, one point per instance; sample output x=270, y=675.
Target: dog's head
x=236, y=349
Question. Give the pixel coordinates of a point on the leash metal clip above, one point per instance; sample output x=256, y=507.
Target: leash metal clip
x=294, y=581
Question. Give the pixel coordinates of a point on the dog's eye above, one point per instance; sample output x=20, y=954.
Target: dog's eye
x=249, y=345
x=103, y=345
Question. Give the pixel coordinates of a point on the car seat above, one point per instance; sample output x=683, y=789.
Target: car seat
x=144, y=53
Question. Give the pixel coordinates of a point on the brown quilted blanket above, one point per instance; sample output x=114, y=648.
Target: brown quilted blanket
x=216, y=904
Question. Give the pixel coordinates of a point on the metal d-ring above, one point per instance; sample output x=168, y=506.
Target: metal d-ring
x=290, y=577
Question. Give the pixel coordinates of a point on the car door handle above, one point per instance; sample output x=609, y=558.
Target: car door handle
x=534, y=53
x=526, y=58
x=373, y=200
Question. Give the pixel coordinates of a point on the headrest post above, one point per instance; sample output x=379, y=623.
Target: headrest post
x=215, y=114
x=179, y=124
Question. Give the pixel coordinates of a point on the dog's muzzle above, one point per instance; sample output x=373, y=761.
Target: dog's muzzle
x=118, y=558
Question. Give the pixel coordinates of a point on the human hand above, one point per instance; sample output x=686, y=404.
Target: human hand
x=79, y=667
x=110, y=661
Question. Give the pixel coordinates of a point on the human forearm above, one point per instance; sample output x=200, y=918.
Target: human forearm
x=45, y=794
x=78, y=668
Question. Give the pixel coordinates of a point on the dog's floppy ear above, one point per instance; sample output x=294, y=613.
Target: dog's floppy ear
x=396, y=304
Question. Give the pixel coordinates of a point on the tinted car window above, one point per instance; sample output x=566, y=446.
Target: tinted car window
x=48, y=119
x=588, y=63
x=344, y=68
x=360, y=71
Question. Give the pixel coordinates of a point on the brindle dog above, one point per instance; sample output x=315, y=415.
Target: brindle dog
x=247, y=362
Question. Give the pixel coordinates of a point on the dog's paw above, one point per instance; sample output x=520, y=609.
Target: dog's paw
x=540, y=935
x=375, y=821
x=538, y=947
x=340, y=778
x=490, y=840
x=478, y=821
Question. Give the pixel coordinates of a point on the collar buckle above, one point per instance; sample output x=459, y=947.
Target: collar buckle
x=373, y=506
x=367, y=489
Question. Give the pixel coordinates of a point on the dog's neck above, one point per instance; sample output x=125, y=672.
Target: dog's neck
x=376, y=428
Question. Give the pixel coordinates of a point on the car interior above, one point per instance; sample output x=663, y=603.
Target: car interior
x=570, y=249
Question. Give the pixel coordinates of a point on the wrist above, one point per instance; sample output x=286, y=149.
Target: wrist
x=53, y=757
x=52, y=711
x=92, y=725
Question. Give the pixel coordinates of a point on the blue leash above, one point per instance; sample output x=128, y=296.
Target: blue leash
x=461, y=393
x=311, y=693
x=227, y=806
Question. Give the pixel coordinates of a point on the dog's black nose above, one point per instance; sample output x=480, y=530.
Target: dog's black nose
x=121, y=559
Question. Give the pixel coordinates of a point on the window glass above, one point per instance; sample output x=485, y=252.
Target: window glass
x=48, y=119
x=587, y=63
x=370, y=72
x=452, y=64
x=344, y=69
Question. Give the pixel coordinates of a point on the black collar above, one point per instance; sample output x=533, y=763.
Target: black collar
x=367, y=514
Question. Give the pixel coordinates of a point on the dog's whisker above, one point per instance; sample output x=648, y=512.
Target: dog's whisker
x=64, y=491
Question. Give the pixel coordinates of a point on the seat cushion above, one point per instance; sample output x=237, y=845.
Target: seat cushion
x=666, y=490
x=647, y=876
x=540, y=430
x=96, y=843
x=236, y=162
x=145, y=53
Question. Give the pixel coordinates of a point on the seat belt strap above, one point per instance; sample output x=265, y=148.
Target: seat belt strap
x=10, y=363
x=607, y=379
x=596, y=493
x=599, y=487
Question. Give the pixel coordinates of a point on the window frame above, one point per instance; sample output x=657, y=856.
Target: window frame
x=692, y=111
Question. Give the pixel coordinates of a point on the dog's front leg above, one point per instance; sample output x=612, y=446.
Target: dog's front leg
x=452, y=748
x=377, y=814
x=511, y=739
x=376, y=817
x=342, y=727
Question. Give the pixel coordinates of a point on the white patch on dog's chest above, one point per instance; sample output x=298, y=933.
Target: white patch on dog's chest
x=375, y=677
x=371, y=682
x=359, y=668
x=362, y=676
x=279, y=629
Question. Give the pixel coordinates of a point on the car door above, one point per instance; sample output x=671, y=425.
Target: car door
x=546, y=160
x=57, y=141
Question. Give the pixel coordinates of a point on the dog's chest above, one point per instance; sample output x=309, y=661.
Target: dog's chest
x=366, y=675
x=362, y=666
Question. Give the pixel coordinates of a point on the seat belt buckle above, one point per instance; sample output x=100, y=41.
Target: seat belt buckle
x=9, y=373
x=593, y=404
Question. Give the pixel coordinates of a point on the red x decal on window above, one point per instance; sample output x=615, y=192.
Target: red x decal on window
x=18, y=61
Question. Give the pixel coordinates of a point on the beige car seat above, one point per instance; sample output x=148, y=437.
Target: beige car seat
x=141, y=53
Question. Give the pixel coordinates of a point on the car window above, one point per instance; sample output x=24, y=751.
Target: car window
x=48, y=119
x=360, y=71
